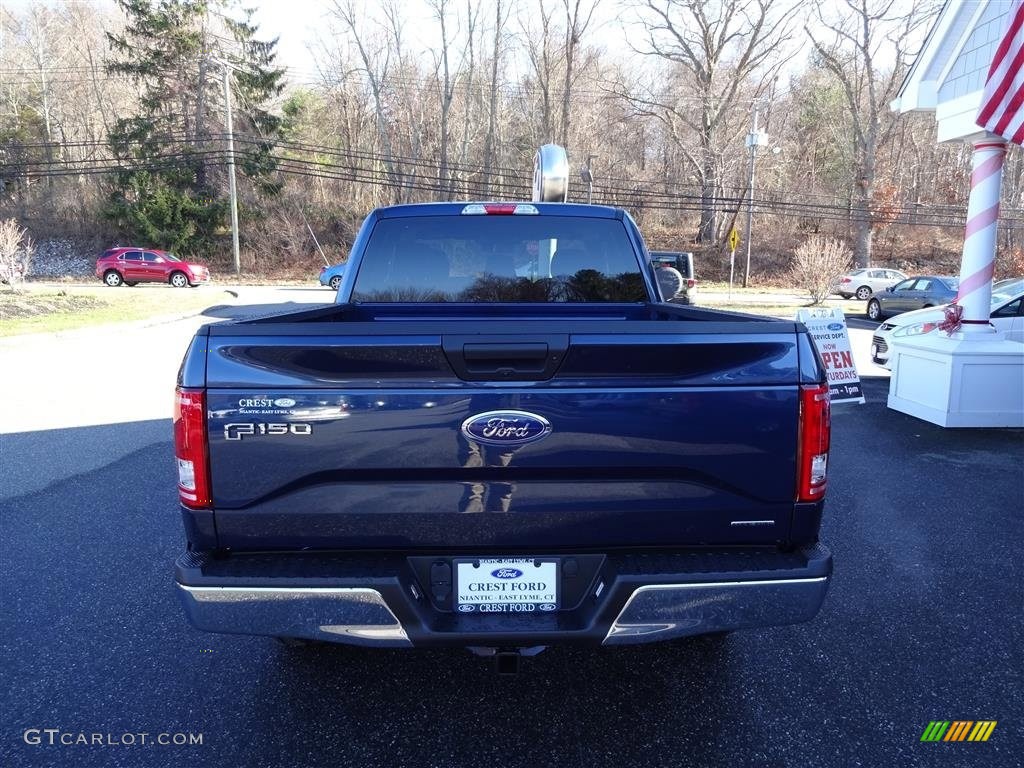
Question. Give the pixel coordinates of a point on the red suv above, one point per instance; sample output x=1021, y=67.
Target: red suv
x=138, y=265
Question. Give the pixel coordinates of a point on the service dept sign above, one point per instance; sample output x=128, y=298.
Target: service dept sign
x=828, y=329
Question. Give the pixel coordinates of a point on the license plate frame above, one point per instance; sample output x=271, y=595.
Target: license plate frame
x=467, y=571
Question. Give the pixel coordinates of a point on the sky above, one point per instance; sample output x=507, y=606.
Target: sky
x=298, y=23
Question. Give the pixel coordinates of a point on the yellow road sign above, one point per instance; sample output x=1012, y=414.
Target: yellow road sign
x=734, y=239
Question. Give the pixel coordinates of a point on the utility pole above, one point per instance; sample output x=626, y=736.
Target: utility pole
x=232, y=189
x=754, y=138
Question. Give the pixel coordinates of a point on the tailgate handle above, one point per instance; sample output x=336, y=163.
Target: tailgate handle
x=508, y=357
x=505, y=353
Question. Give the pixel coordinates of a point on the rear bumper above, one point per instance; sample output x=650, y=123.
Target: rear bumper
x=377, y=601
x=667, y=611
x=343, y=615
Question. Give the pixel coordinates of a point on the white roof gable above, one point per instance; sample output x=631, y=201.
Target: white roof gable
x=948, y=76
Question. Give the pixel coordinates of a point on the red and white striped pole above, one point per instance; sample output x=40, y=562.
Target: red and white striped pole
x=978, y=263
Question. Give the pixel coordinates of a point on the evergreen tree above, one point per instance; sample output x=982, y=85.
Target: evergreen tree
x=171, y=192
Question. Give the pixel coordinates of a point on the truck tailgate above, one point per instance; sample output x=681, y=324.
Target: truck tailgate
x=662, y=435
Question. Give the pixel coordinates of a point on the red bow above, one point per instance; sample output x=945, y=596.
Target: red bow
x=952, y=323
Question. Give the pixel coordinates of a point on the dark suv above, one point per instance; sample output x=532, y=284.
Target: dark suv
x=675, y=275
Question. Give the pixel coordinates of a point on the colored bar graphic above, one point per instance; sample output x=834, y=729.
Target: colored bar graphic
x=959, y=730
x=935, y=730
x=983, y=730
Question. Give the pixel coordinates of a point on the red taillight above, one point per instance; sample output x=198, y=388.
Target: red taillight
x=690, y=283
x=812, y=453
x=501, y=209
x=846, y=280
x=190, y=447
x=322, y=270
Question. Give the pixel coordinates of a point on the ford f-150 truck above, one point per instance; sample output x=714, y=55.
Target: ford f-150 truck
x=501, y=437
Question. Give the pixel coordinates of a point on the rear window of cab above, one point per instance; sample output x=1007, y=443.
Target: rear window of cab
x=498, y=259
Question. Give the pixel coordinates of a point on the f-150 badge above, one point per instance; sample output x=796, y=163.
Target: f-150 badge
x=238, y=431
x=506, y=428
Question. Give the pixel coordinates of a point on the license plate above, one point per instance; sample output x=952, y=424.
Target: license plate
x=506, y=585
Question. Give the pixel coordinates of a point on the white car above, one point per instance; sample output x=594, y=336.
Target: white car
x=863, y=282
x=1007, y=315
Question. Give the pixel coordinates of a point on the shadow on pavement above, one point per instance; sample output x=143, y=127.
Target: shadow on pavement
x=922, y=622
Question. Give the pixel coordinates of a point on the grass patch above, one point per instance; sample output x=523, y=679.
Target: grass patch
x=36, y=310
x=721, y=286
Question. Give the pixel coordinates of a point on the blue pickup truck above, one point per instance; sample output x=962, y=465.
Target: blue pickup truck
x=501, y=437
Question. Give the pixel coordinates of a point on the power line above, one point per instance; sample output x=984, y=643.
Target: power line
x=512, y=185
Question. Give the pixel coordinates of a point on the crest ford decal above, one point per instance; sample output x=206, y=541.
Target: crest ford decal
x=506, y=428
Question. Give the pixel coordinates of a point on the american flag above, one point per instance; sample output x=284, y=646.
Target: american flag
x=1002, y=106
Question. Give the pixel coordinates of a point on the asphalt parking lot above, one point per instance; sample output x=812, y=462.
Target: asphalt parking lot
x=924, y=621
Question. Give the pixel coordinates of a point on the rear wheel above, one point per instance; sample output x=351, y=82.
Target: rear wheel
x=335, y=282
x=863, y=293
x=113, y=278
x=874, y=310
x=179, y=280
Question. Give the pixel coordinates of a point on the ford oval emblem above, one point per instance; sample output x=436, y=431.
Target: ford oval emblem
x=506, y=573
x=835, y=326
x=284, y=402
x=506, y=428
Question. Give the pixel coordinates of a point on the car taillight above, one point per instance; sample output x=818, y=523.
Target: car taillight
x=815, y=431
x=190, y=447
x=690, y=283
x=846, y=280
x=322, y=270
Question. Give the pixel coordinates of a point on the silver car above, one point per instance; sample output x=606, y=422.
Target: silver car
x=864, y=282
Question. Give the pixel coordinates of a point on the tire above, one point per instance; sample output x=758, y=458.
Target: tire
x=863, y=293
x=671, y=282
x=335, y=282
x=179, y=280
x=874, y=311
x=113, y=278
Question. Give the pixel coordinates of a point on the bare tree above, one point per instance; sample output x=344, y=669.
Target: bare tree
x=376, y=66
x=470, y=100
x=449, y=78
x=15, y=253
x=857, y=35
x=713, y=50
x=492, y=107
x=544, y=56
x=816, y=265
x=577, y=20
